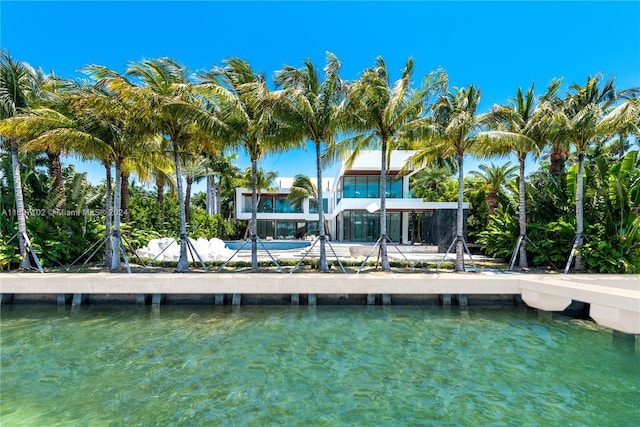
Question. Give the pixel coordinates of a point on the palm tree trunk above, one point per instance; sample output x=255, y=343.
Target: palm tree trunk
x=125, y=194
x=579, y=209
x=384, y=258
x=187, y=199
x=323, y=253
x=55, y=171
x=160, y=187
x=492, y=204
x=116, y=264
x=183, y=261
x=108, y=212
x=254, y=215
x=460, y=219
x=522, y=212
x=25, y=264
x=210, y=201
x=556, y=168
x=217, y=193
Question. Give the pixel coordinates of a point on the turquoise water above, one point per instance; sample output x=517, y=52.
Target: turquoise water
x=328, y=366
x=281, y=245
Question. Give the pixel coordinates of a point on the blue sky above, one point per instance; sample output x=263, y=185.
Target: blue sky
x=495, y=45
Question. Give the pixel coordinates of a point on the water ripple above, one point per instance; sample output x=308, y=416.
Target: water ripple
x=297, y=366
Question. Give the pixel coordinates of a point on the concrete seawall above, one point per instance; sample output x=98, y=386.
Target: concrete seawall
x=614, y=299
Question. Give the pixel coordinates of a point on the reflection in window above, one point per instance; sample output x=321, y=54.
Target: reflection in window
x=313, y=205
x=246, y=204
x=265, y=205
x=265, y=228
x=349, y=187
x=283, y=206
x=365, y=227
x=394, y=187
x=357, y=187
x=373, y=186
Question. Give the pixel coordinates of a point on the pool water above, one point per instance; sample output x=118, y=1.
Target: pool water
x=280, y=245
x=327, y=366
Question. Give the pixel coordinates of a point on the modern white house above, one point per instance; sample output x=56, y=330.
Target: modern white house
x=351, y=206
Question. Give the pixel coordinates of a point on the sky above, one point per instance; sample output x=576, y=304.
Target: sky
x=498, y=46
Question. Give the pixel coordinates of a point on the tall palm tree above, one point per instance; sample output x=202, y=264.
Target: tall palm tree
x=53, y=96
x=577, y=122
x=95, y=125
x=313, y=107
x=245, y=105
x=494, y=178
x=177, y=108
x=380, y=112
x=452, y=131
x=18, y=88
x=518, y=130
x=124, y=128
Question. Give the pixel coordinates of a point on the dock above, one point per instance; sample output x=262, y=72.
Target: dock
x=614, y=300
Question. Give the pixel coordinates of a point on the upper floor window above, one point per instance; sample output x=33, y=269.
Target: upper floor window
x=313, y=205
x=363, y=187
x=283, y=206
x=271, y=204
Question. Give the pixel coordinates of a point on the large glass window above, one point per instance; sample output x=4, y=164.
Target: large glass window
x=291, y=229
x=283, y=206
x=312, y=228
x=372, y=185
x=349, y=187
x=265, y=204
x=394, y=187
x=313, y=205
x=358, y=187
x=365, y=226
x=246, y=203
x=265, y=228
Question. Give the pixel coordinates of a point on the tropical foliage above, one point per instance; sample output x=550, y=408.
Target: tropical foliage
x=158, y=130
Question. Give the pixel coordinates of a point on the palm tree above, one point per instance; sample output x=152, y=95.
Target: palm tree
x=430, y=182
x=264, y=181
x=302, y=188
x=123, y=129
x=95, y=125
x=452, y=131
x=624, y=120
x=494, y=178
x=313, y=107
x=230, y=176
x=380, y=112
x=160, y=173
x=245, y=106
x=54, y=97
x=518, y=130
x=18, y=87
x=223, y=166
x=577, y=122
x=178, y=109
x=194, y=170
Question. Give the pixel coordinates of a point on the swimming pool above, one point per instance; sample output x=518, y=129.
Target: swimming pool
x=259, y=365
x=281, y=245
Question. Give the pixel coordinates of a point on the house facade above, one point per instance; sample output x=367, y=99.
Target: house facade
x=352, y=207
